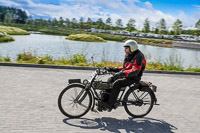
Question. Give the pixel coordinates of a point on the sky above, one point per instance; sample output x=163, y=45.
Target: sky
x=188, y=11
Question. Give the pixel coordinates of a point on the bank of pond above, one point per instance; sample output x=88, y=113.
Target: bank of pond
x=77, y=36
x=80, y=60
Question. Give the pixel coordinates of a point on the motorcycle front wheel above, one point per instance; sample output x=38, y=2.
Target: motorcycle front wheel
x=74, y=101
x=138, y=103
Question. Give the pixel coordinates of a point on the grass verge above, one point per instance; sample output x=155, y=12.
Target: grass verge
x=80, y=60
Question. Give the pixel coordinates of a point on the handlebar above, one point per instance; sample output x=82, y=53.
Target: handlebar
x=102, y=71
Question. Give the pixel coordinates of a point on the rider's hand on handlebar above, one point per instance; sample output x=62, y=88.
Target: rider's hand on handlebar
x=112, y=69
x=118, y=75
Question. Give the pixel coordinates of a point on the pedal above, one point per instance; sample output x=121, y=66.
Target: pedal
x=156, y=104
x=116, y=105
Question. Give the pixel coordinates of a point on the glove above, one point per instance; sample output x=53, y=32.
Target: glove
x=118, y=75
x=112, y=69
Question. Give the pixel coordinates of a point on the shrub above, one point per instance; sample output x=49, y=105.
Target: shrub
x=3, y=34
x=27, y=57
x=78, y=58
x=45, y=60
x=193, y=69
x=4, y=37
x=85, y=37
x=1, y=59
x=6, y=59
x=13, y=30
x=111, y=37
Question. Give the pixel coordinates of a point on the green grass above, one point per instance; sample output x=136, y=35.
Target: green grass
x=80, y=60
x=164, y=67
x=13, y=30
x=4, y=37
x=5, y=59
x=193, y=70
x=85, y=37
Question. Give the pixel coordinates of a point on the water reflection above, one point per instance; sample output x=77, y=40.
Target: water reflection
x=58, y=47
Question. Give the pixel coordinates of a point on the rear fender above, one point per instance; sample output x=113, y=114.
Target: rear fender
x=147, y=88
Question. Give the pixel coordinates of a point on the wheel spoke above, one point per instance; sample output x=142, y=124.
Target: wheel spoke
x=136, y=97
x=141, y=95
x=82, y=105
x=145, y=96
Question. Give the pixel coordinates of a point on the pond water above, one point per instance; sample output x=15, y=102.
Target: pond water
x=58, y=47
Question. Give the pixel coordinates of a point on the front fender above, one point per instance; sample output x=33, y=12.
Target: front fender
x=70, y=84
x=71, y=81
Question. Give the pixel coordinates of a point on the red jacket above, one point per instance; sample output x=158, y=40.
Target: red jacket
x=134, y=64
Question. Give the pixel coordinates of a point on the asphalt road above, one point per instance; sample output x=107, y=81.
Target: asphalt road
x=28, y=104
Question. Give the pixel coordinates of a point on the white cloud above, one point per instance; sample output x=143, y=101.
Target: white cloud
x=197, y=15
x=9, y=3
x=187, y=21
x=149, y=5
x=198, y=6
x=95, y=9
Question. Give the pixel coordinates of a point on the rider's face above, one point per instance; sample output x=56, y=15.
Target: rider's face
x=127, y=50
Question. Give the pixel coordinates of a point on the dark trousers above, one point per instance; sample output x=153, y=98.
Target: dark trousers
x=117, y=85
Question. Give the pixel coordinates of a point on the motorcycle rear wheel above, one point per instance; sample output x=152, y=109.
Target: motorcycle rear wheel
x=138, y=103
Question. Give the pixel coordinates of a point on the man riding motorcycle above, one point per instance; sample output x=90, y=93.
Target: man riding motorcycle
x=131, y=71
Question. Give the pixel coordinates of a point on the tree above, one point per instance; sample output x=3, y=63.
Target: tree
x=61, y=21
x=74, y=23
x=81, y=23
x=131, y=25
x=197, y=25
x=55, y=22
x=21, y=16
x=177, y=27
x=8, y=18
x=30, y=20
x=146, y=28
x=156, y=31
x=74, y=20
x=108, y=21
x=162, y=26
x=108, y=24
x=119, y=23
x=10, y=14
x=67, y=22
x=89, y=23
x=100, y=23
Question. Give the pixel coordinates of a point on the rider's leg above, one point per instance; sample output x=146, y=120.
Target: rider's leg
x=116, y=89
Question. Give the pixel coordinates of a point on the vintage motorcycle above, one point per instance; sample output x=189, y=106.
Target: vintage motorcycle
x=79, y=97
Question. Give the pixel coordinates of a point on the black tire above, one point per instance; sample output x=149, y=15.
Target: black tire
x=84, y=100
x=131, y=105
